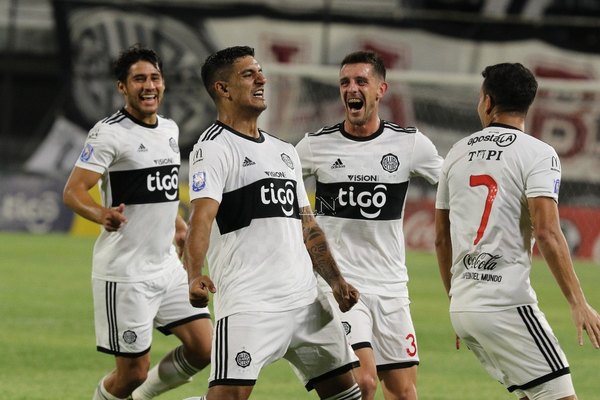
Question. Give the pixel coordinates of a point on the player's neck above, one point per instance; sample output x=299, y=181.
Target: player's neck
x=246, y=126
x=516, y=120
x=365, y=130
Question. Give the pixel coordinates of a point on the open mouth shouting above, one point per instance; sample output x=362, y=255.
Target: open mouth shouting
x=355, y=104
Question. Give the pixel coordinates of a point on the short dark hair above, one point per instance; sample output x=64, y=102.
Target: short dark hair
x=217, y=66
x=366, y=57
x=511, y=86
x=133, y=54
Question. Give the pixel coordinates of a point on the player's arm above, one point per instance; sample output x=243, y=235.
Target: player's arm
x=443, y=246
x=203, y=213
x=553, y=246
x=77, y=197
x=345, y=294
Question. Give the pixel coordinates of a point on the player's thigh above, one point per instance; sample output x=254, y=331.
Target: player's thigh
x=394, y=337
x=319, y=349
x=123, y=316
x=518, y=344
x=357, y=322
x=244, y=343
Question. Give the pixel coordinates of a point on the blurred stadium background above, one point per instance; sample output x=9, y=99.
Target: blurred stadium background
x=55, y=83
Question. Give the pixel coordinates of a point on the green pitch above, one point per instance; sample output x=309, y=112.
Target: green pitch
x=47, y=345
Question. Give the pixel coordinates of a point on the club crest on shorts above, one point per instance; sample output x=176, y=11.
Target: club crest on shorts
x=347, y=327
x=243, y=359
x=390, y=162
x=129, y=337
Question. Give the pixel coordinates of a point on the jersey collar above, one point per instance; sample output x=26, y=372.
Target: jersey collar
x=137, y=121
x=499, y=125
x=376, y=134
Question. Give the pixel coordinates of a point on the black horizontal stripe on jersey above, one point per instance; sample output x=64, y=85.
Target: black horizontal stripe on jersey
x=266, y=198
x=397, y=128
x=145, y=186
x=327, y=130
x=361, y=200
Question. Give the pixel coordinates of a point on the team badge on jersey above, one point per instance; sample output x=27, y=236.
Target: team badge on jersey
x=173, y=145
x=86, y=154
x=390, y=163
x=198, y=181
x=347, y=327
x=287, y=160
x=243, y=359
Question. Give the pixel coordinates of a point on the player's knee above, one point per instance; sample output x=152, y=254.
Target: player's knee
x=367, y=384
x=405, y=392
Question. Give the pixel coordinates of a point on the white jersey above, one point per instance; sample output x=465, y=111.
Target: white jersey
x=257, y=257
x=485, y=182
x=361, y=186
x=139, y=164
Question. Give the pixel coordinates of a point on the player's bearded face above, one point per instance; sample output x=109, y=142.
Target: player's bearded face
x=247, y=86
x=143, y=91
x=360, y=91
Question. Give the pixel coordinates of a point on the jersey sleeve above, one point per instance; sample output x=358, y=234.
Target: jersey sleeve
x=442, y=197
x=99, y=151
x=305, y=155
x=426, y=162
x=543, y=179
x=207, y=171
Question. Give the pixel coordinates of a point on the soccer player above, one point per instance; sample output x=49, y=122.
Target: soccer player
x=138, y=280
x=248, y=200
x=498, y=192
x=362, y=167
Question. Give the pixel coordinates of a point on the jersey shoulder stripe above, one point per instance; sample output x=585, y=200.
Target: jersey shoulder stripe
x=115, y=118
x=211, y=133
x=397, y=128
x=327, y=130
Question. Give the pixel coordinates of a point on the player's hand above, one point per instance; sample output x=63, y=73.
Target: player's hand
x=113, y=218
x=587, y=319
x=345, y=294
x=199, y=290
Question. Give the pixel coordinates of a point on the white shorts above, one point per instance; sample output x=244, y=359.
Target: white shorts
x=518, y=348
x=385, y=325
x=310, y=338
x=125, y=313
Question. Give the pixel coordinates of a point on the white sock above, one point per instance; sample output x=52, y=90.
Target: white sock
x=172, y=371
x=352, y=393
x=101, y=394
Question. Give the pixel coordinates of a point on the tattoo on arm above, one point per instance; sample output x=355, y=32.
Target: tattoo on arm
x=318, y=249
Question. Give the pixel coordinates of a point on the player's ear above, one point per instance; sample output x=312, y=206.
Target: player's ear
x=489, y=104
x=121, y=87
x=221, y=88
x=382, y=89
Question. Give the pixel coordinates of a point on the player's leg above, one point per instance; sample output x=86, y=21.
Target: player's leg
x=243, y=344
x=518, y=348
x=395, y=347
x=358, y=327
x=320, y=354
x=399, y=384
x=128, y=374
x=366, y=374
x=123, y=314
x=192, y=326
